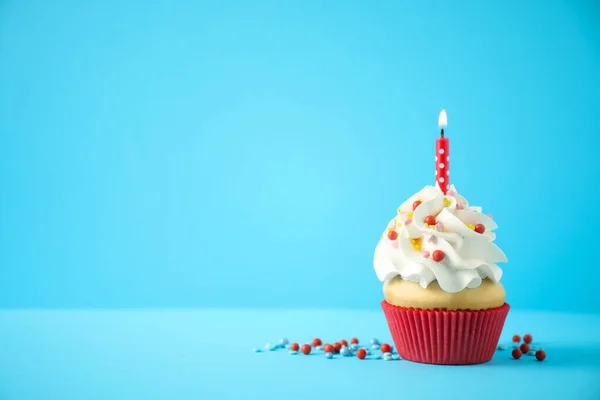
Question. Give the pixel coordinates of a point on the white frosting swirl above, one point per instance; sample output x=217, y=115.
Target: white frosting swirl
x=469, y=256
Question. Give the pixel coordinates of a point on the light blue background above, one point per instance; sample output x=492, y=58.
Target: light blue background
x=156, y=153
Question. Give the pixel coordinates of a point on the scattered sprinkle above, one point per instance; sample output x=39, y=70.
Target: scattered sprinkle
x=374, y=341
x=386, y=348
x=527, y=338
x=516, y=339
x=329, y=355
x=540, y=355
x=395, y=357
x=501, y=346
x=531, y=353
x=345, y=351
x=354, y=346
x=318, y=348
x=306, y=349
x=293, y=352
x=516, y=353
x=283, y=341
x=361, y=353
x=375, y=347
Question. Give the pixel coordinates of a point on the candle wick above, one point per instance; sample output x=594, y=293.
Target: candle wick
x=442, y=133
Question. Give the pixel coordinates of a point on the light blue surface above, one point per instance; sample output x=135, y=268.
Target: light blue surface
x=153, y=151
x=207, y=354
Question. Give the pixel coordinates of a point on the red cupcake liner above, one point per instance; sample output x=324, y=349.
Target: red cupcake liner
x=445, y=337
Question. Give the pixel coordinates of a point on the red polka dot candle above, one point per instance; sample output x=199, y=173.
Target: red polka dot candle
x=442, y=155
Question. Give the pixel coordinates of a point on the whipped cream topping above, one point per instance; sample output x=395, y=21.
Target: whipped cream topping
x=410, y=246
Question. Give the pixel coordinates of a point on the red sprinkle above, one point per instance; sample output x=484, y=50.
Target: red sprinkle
x=516, y=339
x=361, y=353
x=327, y=348
x=525, y=348
x=527, y=338
x=416, y=204
x=306, y=349
x=480, y=228
x=540, y=355
x=336, y=347
x=516, y=353
x=354, y=340
x=430, y=220
x=385, y=348
x=294, y=347
x=438, y=255
x=392, y=235
x=316, y=342
x=344, y=343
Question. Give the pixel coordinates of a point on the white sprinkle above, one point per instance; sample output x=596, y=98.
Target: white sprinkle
x=502, y=346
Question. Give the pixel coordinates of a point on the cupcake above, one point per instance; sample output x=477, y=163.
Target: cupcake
x=443, y=299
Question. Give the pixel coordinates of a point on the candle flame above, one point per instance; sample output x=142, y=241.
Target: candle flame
x=443, y=119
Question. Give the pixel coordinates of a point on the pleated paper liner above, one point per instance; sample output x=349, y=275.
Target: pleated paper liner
x=445, y=337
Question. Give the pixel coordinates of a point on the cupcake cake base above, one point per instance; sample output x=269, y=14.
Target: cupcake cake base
x=445, y=337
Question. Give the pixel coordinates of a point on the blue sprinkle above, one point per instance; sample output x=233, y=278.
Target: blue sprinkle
x=283, y=341
x=377, y=357
x=354, y=346
x=374, y=341
x=257, y=350
x=396, y=357
x=345, y=351
x=502, y=346
x=387, y=358
x=375, y=347
x=531, y=353
x=318, y=348
x=387, y=355
x=293, y=353
x=329, y=355
x=534, y=348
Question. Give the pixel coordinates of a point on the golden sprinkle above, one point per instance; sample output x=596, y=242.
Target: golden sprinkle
x=409, y=215
x=399, y=210
x=389, y=229
x=471, y=227
x=447, y=201
x=413, y=241
x=417, y=247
